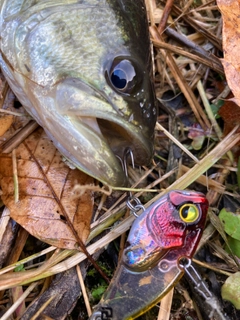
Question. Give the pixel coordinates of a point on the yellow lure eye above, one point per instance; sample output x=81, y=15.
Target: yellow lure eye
x=189, y=212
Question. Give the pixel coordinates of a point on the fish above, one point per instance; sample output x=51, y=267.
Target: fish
x=165, y=234
x=83, y=70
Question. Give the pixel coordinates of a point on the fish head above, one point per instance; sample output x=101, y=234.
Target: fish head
x=85, y=68
x=111, y=101
x=114, y=115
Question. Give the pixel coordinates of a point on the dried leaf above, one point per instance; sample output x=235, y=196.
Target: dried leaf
x=37, y=210
x=230, y=10
x=5, y=123
x=230, y=112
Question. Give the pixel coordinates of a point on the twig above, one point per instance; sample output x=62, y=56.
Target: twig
x=15, y=176
x=43, y=307
x=18, y=137
x=211, y=37
x=10, y=311
x=208, y=266
x=182, y=83
x=160, y=127
x=166, y=11
x=84, y=291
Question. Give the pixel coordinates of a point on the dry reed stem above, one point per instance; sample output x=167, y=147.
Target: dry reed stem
x=84, y=291
x=207, y=162
x=210, y=267
x=169, y=135
x=209, y=183
x=165, y=306
x=43, y=307
x=182, y=83
x=215, y=65
x=13, y=307
x=5, y=217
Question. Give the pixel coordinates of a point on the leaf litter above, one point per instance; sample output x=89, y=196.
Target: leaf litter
x=37, y=210
x=188, y=62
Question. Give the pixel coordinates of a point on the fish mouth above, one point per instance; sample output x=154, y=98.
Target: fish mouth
x=109, y=142
x=99, y=133
x=120, y=139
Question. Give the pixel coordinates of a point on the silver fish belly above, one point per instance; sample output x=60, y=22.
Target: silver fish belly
x=82, y=69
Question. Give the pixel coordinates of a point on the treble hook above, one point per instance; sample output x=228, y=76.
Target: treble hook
x=124, y=159
x=127, y=152
x=133, y=203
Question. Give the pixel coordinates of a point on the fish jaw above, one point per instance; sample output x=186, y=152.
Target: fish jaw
x=92, y=134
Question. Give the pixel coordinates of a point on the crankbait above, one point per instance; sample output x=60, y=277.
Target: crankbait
x=163, y=236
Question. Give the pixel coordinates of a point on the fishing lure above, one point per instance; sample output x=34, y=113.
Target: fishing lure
x=160, y=238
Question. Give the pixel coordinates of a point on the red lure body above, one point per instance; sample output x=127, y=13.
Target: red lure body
x=167, y=231
x=161, y=228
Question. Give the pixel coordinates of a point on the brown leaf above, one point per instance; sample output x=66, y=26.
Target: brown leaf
x=230, y=10
x=5, y=123
x=37, y=210
x=230, y=112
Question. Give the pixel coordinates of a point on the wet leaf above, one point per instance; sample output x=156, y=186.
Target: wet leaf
x=37, y=210
x=231, y=222
x=231, y=289
x=234, y=245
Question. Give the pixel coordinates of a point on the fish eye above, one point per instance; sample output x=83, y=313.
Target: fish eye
x=189, y=212
x=123, y=75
